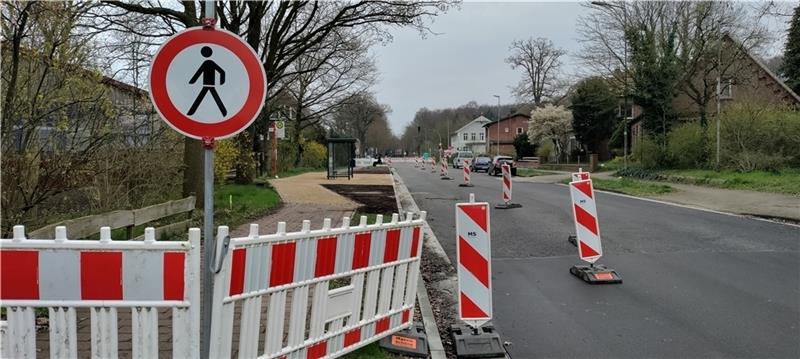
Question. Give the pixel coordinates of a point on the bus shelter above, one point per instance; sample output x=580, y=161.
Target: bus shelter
x=341, y=157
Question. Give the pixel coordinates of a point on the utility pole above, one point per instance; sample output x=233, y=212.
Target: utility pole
x=497, y=152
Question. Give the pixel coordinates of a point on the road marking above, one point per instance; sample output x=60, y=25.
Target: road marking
x=693, y=207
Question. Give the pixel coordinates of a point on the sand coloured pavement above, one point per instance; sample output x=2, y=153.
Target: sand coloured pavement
x=307, y=187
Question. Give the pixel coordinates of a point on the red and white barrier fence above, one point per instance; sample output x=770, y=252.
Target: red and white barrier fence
x=105, y=276
x=376, y=266
x=586, y=225
x=473, y=251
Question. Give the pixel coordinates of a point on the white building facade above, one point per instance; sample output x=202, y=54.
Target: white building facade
x=471, y=137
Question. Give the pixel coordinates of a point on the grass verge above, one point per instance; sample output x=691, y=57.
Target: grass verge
x=298, y=171
x=785, y=181
x=235, y=204
x=530, y=172
x=628, y=186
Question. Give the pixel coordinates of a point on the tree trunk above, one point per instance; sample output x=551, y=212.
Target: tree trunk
x=193, y=170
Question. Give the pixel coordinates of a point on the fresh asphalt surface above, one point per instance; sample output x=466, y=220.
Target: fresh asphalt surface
x=695, y=283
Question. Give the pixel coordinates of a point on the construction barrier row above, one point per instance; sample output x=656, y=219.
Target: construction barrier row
x=321, y=293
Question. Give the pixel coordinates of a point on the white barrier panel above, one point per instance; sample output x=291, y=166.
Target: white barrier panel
x=375, y=266
x=584, y=211
x=506, y=171
x=474, y=254
x=104, y=276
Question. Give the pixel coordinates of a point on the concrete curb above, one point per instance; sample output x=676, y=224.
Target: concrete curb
x=429, y=321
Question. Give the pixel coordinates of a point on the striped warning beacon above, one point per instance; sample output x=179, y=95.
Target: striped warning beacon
x=467, y=173
x=443, y=169
x=587, y=232
x=507, y=204
x=474, y=257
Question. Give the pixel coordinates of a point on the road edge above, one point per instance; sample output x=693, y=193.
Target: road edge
x=694, y=207
x=435, y=345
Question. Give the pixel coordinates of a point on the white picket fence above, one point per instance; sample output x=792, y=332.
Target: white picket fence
x=380, y=261
x=106, y=277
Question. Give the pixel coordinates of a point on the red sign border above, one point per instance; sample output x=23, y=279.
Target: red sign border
x=182, y=123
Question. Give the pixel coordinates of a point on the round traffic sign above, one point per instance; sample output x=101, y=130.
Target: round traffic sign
x=207, y=83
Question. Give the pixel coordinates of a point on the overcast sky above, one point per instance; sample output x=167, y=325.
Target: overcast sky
x=465, y=61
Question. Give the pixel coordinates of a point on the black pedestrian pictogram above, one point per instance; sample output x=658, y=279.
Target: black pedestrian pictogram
x=208, y=69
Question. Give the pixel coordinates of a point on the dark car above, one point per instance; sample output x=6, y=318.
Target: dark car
x=494, y=167
x=480, y=164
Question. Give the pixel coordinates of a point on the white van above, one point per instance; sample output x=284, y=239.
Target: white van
x=458, y=160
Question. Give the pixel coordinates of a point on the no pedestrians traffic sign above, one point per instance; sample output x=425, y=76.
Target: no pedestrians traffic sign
x=207, y=83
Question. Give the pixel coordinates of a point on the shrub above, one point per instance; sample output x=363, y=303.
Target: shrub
x=649, y=154
x=544, y=151
x=758, y=137
x=314, y=155
x=225, y=157
x=687, y=146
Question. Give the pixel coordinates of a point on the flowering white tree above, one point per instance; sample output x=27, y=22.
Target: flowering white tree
x=550, y=123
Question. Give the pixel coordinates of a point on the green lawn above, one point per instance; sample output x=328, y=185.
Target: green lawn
x=530, y=172
x=235, y=204
x=785, y=181
x=629, y=186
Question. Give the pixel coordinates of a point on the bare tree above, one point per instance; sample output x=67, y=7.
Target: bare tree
x=703, y=30
x=540, y=62
x=281, y=32
x=357, y=115
x=344, y=69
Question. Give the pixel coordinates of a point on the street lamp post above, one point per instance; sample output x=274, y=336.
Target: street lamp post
x=497, y=146
x=625, y=81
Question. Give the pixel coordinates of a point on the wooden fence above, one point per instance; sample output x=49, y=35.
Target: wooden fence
x=87, y=226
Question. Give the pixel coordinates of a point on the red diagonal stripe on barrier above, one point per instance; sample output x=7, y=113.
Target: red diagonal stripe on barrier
x=585, y=219
x=238, y=263
x=587, y=251
x=477, y=213
x=326, y=256
x=585, y=187
x=19, y=274
x=507, y=181
x=473, y=261
x=173, y=275
x=469, y=309
x=406, y=315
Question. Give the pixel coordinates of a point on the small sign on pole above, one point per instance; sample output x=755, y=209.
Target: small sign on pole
x=474, y=254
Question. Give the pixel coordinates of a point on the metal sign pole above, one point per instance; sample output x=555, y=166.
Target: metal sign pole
x=208, y=222
x=208, y=244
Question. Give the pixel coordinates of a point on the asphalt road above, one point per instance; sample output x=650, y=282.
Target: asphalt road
x=696, y=284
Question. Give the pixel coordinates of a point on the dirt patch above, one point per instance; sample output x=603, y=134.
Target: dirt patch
x=376, y=169
x=373, y=198
x=435, y=270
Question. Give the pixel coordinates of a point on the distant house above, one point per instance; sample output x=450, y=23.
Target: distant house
x=747, y=80
x=500, y=134
x=471, y=137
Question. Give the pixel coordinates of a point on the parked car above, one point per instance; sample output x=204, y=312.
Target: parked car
x=481, y=164
x=494, y=167
x=458, y=160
